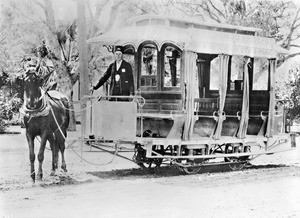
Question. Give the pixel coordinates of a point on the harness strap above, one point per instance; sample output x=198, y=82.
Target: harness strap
x=41, y=111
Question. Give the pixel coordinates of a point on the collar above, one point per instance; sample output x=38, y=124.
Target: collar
x=118, y=64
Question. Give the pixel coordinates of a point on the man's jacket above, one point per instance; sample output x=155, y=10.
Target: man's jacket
x=121, y=82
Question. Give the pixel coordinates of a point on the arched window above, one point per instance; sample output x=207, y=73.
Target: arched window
x=171, y=66
x=260, y=74
x=214, y=74
x=148, y=75
x=236, y=73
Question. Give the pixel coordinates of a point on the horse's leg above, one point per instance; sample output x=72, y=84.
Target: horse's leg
x=56, y=154
x=53, y=150
x=41, y=155
x=30, y=140
x=62, y=150
x=60, y=140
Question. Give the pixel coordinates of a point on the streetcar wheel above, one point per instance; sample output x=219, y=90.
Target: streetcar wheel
x=235, y=163
x=235, y=166
x=191, y=170
x=155, y=164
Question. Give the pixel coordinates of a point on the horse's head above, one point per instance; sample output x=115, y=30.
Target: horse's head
x=32, y=89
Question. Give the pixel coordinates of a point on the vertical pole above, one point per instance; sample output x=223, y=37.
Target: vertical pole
x=83, y=67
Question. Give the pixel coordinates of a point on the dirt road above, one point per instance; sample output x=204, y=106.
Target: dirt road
x=269, y=188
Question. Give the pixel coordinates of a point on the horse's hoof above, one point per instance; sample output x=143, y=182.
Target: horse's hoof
x=40, y=177
x=64, y=168
x=33, y=178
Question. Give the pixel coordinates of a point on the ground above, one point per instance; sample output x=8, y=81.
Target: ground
x=93, y=187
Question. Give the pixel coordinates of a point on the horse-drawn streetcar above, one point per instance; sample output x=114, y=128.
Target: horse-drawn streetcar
x=204, y=94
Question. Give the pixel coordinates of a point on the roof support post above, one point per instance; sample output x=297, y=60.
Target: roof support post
x=223, y=78
x=245, y=106
x=272, y=71
x=83, y=66
x=189, y=72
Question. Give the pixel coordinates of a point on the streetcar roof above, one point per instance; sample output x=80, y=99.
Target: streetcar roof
x=173, y=21
x=192, y=36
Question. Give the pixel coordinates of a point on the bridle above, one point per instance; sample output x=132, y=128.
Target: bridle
x=44, y=107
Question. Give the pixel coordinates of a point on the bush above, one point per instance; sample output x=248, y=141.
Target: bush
x=3, y=126
x=8, y=106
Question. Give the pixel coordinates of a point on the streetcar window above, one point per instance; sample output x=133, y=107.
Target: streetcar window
x=142, y=23
x=180, y=24
x=260, y=74
x=158, y=22
x=214, y=74
x=236, y=74
x=149, y=65
x=172, y=60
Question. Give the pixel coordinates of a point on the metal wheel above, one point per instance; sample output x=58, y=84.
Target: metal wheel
x=238, y=163
x=191, y=170
x=145, y=163
x=235, y=166
x=230, y=149
x=150, y=164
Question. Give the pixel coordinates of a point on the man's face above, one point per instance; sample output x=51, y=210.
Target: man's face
x=118, y=55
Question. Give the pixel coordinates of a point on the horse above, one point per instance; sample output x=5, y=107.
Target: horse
x=46, y=114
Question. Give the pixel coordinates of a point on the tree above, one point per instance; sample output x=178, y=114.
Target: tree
x=60, y=38
x=277, y=19
x=291, y=92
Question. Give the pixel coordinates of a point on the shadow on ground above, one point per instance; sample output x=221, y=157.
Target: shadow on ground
x=169, y=171
x=62, y=180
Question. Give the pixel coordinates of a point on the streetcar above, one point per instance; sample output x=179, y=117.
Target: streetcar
x=204, y=94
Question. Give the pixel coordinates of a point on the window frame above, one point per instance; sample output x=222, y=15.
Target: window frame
x=140, y=76
x=162, y=67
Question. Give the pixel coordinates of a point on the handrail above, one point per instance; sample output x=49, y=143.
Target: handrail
x=134, y=97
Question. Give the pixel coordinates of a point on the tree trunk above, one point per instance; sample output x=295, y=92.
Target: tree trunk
x=72, y=124
x=64, y=79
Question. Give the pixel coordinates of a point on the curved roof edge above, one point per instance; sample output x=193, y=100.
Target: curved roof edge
x=192, y=21
x=193, y=39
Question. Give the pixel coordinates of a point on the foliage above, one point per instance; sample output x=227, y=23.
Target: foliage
x=3, y=126
x=292, y=94
x=277, y=19
x=8, y=107
x=25, y=26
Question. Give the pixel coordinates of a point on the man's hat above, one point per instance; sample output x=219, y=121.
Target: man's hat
x=118, y=48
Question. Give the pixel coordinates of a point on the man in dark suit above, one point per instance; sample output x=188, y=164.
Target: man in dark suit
x=120, y=71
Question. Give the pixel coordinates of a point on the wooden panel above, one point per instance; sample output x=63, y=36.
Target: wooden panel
x=114, y=120
x=161, y=95
x=254, y=126
x=259, y=101
x=204, y=127
x=162, y=102
x=232, y=106
x=206, y=106
x=171, y=106
x=230, y=126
